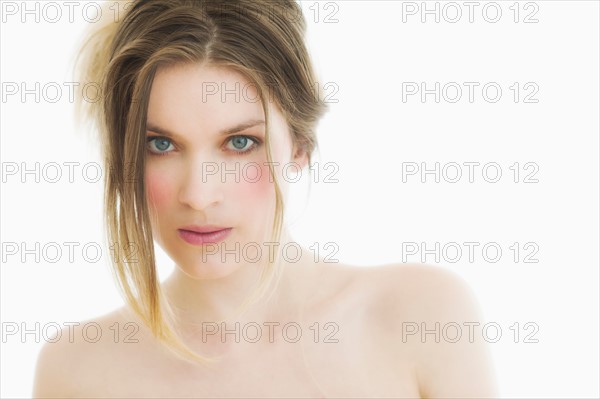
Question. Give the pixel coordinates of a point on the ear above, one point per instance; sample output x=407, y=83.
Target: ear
x=300, y=156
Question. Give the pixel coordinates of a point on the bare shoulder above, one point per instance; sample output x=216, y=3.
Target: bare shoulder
x=389, y=295
x=432, y=315
x=75, y=358
x=416, y=287
x=405, y=285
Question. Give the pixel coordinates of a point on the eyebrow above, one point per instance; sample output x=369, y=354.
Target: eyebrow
x=235, y=129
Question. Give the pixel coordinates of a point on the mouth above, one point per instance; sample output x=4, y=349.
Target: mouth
x=203, y=235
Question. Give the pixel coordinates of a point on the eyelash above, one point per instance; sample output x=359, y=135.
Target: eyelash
x=256, y=144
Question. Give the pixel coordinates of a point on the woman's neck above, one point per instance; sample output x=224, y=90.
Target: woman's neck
x=213, y=301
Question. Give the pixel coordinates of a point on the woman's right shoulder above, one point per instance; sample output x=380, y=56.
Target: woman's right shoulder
x=76, y=357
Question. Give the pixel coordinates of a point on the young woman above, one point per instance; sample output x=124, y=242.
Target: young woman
x=205, y=106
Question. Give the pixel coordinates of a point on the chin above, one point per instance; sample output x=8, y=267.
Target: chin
x=206, y=272
x=210, y=269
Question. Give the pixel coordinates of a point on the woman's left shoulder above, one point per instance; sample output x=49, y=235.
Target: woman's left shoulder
x=429, y=313
x=392, y=292
x=414, y=290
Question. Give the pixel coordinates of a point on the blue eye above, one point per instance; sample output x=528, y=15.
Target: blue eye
x=239, y=145
x=159, y=145
x=242, y=144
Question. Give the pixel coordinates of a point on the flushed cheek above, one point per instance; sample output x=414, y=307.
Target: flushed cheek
x=261, y=185
x=159, y=190
x=255, y=188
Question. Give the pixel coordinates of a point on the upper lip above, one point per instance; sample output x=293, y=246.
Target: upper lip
x=208, y=228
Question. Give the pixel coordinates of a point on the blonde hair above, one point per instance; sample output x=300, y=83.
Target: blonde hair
x=263, y=40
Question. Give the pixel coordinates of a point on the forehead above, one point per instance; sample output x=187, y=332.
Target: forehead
x=186, y=97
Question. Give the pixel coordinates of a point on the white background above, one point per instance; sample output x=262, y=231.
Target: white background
x=369, y=132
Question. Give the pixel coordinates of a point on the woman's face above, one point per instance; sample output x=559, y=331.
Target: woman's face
x=206, y=168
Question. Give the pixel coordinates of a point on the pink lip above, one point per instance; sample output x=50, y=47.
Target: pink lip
x=207, y=228
x=200, y=235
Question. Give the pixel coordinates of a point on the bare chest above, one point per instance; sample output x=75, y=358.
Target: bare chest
x=337, y=348
x=336, y=357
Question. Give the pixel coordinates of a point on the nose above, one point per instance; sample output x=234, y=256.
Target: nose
x=201, y=186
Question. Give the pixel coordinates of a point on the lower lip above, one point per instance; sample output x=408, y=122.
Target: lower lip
x=191, y=237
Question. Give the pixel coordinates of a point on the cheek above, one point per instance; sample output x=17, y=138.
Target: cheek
x=159, y=189
x=258, y=183
x=255, y=185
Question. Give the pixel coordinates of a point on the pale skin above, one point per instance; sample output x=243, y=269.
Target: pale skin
x=364, y=351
